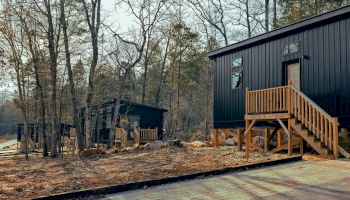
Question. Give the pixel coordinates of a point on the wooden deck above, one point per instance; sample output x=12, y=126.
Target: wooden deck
x=140, y=136
x=300, y=118
x=304, y=117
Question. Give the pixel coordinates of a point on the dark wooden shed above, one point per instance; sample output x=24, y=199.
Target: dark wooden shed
x=139, y=115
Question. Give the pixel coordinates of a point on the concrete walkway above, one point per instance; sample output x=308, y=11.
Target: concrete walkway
x=299, y=180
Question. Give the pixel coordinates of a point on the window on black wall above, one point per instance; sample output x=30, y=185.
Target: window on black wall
x=236, y=73
x=291, y=48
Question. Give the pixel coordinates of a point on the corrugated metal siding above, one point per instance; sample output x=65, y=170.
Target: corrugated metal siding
x=324, y=76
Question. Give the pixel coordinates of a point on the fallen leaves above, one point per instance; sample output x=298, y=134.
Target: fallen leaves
x=23, y=179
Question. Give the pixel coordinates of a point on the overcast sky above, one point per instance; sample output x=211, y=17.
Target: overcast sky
x=116, y=15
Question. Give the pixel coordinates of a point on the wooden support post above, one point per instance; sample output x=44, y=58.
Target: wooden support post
x=279, y=138
x=248, y=136
x=335, y=137
x=215, y=137
x=301, y=145
x=266, y=140
x=240, y=139
x=289, y=138
x=344, y=135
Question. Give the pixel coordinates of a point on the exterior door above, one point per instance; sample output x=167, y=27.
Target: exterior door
x=294, y=74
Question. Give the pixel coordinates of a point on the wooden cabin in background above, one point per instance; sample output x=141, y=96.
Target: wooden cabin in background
x=296, y=78
x=133, y=116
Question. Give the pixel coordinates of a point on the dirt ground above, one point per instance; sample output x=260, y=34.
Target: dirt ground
x=21, y=179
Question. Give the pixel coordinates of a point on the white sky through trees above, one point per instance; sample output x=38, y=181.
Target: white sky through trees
x=117, y=16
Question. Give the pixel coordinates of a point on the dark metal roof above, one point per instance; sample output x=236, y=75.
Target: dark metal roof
x=112, y=100
x=298, y=26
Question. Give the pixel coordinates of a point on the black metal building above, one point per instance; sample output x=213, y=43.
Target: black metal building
x=316, y=50
x=137, y=115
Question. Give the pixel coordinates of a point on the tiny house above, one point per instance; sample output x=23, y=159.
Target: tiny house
x=299, y=72
x=136, y=115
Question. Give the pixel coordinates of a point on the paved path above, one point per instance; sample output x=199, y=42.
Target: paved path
x=8, y=143
x=298, y=180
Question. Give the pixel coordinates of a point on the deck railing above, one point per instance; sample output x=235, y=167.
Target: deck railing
x=272, y=100
x=148, y=134
x=288, y=99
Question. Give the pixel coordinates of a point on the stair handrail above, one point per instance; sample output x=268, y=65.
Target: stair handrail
x=331, y=128
x=330, y=118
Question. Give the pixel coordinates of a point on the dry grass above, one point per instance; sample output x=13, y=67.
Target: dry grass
x=314, y=157
x=21, y=179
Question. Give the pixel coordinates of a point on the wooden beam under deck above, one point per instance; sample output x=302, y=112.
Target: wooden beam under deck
x=262, y=117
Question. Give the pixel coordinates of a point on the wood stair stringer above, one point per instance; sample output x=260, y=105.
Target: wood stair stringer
x=344, y=152
x=316, y=145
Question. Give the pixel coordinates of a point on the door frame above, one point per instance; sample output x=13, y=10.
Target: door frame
x=285, y=71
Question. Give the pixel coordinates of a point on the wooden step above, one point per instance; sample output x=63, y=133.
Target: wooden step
x=310, y=139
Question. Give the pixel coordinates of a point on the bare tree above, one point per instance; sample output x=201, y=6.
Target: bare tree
x=247, y=13
x=163, y=72
x=53, y=72
x=267, y=12
x=30, y=34
x=147, y=14
x=93, y=19
x=214, y=13
x=274, y=18
x=72, y=87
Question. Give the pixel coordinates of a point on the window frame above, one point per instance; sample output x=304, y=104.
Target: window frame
x=237, y=69
x=288, y=45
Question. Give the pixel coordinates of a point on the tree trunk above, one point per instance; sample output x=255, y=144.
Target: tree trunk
x=118, y=96
x=53, y=70
x=178, y=94
x=267, y=12
x=274, y=21
x=94, y=25
x=38, y=86
x=162, y=74
x=73, y=95
x=144, y=84
x=114, y=120
x=247, y=19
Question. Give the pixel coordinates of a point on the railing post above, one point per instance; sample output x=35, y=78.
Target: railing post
x=289, y=98
x=246, y=101
x=247, y=138
x=335, y=137
x=240, y=138
x=266, y=140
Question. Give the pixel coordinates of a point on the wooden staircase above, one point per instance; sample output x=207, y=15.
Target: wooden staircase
x=309, y=138
x=305, y=117
x=344, y=143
